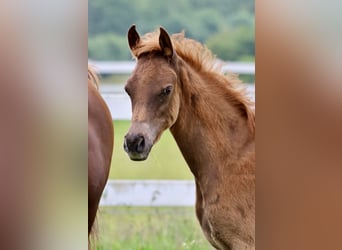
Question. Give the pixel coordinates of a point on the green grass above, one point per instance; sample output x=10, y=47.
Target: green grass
x=149, y=228
x=164, y=162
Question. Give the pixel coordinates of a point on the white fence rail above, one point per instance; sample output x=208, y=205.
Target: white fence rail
x=126, y=67
x=148, y=193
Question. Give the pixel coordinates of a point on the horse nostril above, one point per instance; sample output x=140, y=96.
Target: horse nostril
x=134, y=143
x=140, y=145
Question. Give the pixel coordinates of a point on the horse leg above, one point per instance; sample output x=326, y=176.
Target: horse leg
x=202, y=217
x=92, y=209
x=235, y=244
x=228, y=239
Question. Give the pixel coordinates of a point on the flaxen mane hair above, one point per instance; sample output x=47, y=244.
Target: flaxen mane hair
x=200, y=58
x=92, y=77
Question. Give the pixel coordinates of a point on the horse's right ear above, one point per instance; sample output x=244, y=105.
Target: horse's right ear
x=133, y=37
x=165, y=43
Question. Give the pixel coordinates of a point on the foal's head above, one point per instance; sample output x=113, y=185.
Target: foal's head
x=154, y=94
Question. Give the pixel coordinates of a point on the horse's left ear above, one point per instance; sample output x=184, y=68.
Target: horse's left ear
x=165, y=43
x=133, y=37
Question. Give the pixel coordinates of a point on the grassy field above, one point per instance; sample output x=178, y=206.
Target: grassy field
x=164, y=162
x=152, y=228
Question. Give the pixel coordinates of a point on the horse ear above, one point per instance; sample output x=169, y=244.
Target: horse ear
x=133, y=37
x=165, y=43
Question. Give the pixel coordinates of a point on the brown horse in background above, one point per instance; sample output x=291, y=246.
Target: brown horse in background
x=177, y=84
x=100, y=146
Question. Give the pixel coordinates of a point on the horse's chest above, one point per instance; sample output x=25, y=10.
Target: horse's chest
x=224, y=227
x=204, y=216
x=210, y=231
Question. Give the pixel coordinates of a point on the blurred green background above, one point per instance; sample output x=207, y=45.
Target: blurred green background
x=225, y=26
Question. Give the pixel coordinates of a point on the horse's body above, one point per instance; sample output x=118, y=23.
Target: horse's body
x=100, y=146
x=176, y=85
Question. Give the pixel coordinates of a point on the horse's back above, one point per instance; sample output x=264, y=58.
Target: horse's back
x=100, y=148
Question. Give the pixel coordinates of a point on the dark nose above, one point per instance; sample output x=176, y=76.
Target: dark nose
x=134, y=143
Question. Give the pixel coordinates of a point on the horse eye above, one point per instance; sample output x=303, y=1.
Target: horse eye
x=166, y=91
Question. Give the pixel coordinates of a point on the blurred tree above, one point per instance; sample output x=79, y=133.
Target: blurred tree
x=106, y=16
x=237, y=41
x=108, y=47
x=226, y=26
x=234, y=45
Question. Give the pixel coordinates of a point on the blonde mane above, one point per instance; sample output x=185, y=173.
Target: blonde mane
x=191, y=51
x=92, y=77
x=201, y=59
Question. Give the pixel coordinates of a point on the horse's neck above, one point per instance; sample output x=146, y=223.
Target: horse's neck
x=213, y=137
